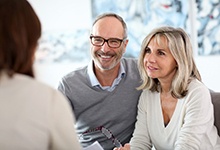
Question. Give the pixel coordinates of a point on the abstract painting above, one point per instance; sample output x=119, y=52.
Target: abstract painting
x=141, y=16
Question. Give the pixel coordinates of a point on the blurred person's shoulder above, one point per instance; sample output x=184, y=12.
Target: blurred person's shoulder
x=35, y=88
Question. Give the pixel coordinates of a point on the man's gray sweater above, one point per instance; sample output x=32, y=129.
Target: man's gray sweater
x=94, y=107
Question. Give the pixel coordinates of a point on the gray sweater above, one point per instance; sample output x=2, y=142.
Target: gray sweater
x=94, y=107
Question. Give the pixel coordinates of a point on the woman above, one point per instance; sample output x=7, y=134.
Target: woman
x=175, y=109
x=32, y=115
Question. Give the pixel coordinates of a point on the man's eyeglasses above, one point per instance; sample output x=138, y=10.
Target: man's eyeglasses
x=112, y=42
x=107, y=133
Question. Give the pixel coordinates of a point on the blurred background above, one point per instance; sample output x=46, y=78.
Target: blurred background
x=65, y=46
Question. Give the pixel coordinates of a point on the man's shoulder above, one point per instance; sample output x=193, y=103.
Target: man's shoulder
x=130, y=62
x=78, y=72
x=129, y=59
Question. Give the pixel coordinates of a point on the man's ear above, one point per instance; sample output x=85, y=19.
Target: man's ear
x=125, y=44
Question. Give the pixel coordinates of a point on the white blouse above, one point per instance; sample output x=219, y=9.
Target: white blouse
x=191, y=126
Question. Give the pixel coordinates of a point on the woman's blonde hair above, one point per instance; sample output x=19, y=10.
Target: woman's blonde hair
x=181, y=48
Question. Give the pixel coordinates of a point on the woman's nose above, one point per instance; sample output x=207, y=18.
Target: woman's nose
x=151, y=58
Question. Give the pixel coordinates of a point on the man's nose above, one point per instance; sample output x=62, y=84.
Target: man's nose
x=105, y=48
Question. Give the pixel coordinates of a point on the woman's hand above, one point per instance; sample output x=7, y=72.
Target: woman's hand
x=125, y=147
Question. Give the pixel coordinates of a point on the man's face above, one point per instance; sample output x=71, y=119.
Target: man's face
x=105, y=57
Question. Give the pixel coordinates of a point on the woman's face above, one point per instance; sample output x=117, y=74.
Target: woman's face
x=158, y=60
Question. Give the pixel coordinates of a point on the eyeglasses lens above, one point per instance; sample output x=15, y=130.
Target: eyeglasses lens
x=106, y=133
x=117, y=143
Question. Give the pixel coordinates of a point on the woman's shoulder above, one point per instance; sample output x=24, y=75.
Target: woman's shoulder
x=197, y=86
x=198, y=91
x=149, y=95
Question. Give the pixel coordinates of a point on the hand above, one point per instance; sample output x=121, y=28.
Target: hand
x=125, y=147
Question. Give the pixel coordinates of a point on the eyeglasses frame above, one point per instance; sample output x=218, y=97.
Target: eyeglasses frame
x=115, y=141
x=106, y=40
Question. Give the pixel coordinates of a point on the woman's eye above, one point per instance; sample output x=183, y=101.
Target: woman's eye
x=161, y=53
x=147, y=50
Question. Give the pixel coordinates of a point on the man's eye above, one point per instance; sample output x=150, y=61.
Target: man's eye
x=114, y=41
x=98, y=40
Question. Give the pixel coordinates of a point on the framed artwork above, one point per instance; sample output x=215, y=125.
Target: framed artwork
x=208, y=27
x=141, y=16
x=63, y=46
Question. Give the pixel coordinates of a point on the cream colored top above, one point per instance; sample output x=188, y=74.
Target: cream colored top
x=191, y=126
x=34, y=116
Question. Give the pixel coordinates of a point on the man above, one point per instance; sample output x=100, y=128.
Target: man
x=103, y=94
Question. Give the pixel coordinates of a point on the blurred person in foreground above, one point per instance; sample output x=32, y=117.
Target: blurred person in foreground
x=32, y=115
x=103, y=94
x=175, y=111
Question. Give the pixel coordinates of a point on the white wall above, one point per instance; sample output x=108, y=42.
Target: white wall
x=63, y=14
x=72, y=14
x=209, y=67
x=53, y=72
